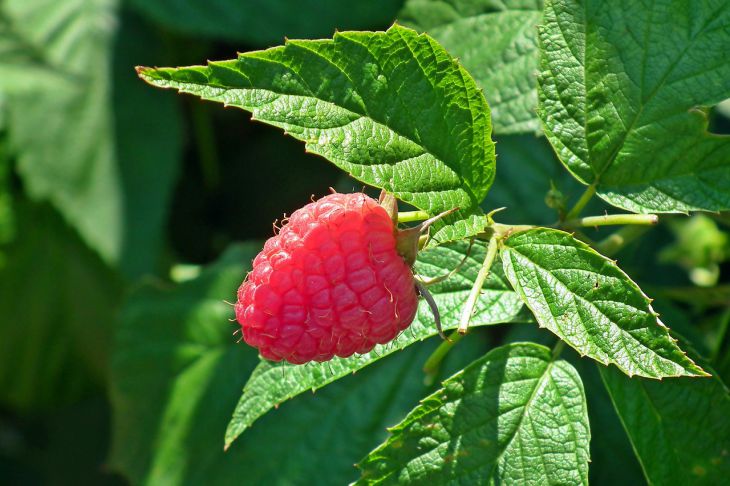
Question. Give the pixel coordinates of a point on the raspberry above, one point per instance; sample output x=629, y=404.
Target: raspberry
x=331, y=283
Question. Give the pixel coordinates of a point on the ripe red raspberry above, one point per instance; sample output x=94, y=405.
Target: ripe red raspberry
x=331, y=283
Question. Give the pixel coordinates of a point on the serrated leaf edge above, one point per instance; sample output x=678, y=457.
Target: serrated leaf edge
x=693, y=369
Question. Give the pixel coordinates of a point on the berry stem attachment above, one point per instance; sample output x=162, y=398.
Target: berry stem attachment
x=424, y=225
x=478, y=284
x=407, y=239
x=434, y=308
x=411, y=216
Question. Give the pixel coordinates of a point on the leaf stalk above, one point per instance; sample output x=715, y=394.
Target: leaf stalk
x=613, y=243
x=478, y=284
x=612, y=220
x=433, y=363
x=557, y=349
x=582, y=202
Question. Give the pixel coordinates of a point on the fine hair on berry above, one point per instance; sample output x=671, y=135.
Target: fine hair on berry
x=330, y=283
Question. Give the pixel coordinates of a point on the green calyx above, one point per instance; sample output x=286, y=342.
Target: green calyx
x=408, y=240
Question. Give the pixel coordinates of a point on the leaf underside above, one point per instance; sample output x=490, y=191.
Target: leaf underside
x=514, y=416
x=65, y=58
x=393, y=109
x=622, y=92
x=591, y=304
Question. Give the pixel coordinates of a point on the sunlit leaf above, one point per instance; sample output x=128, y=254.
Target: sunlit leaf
x=393, y=109
x=591, y=304
x=515, y=416
x=621, y=88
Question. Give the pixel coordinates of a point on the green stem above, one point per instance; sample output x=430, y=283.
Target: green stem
x=433, y=363
x=582, y=201
x=557, y=349
x=471, y=301
x=613, y=220
x=410, y=216
x=614, y=242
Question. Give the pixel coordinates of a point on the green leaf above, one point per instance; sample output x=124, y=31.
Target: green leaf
x=57, y=302
x=497, y=42
x=316, y=438
x=272, y=383
x=266, y=22
x=393, y=109
x=76, y=176
x=94, y=163
x=23, y=66
x=621, y=94
x=171, y=345
x=515, y=416
x=177, y=373
x=588, y=302
x=679, y=428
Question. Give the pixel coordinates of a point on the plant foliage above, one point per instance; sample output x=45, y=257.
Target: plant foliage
x=129, y=217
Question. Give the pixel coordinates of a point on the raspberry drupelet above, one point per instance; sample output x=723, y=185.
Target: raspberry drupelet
x=330, y=283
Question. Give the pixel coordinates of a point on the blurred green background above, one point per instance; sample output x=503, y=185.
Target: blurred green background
x=128, y=214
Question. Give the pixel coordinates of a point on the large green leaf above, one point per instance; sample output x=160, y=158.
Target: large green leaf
x=95, y=163
x=497, y=42
x=612, y=458
x=619, y=86
x=267, y=22
x=515, y=416
x=23, y=67
x=56, y=303
x=393, y=109
x=591, y=304
x=316, y=439
x=679, y=428
x=272, y=383
x=177, y=373
x=70, y=161
x=171, y=346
